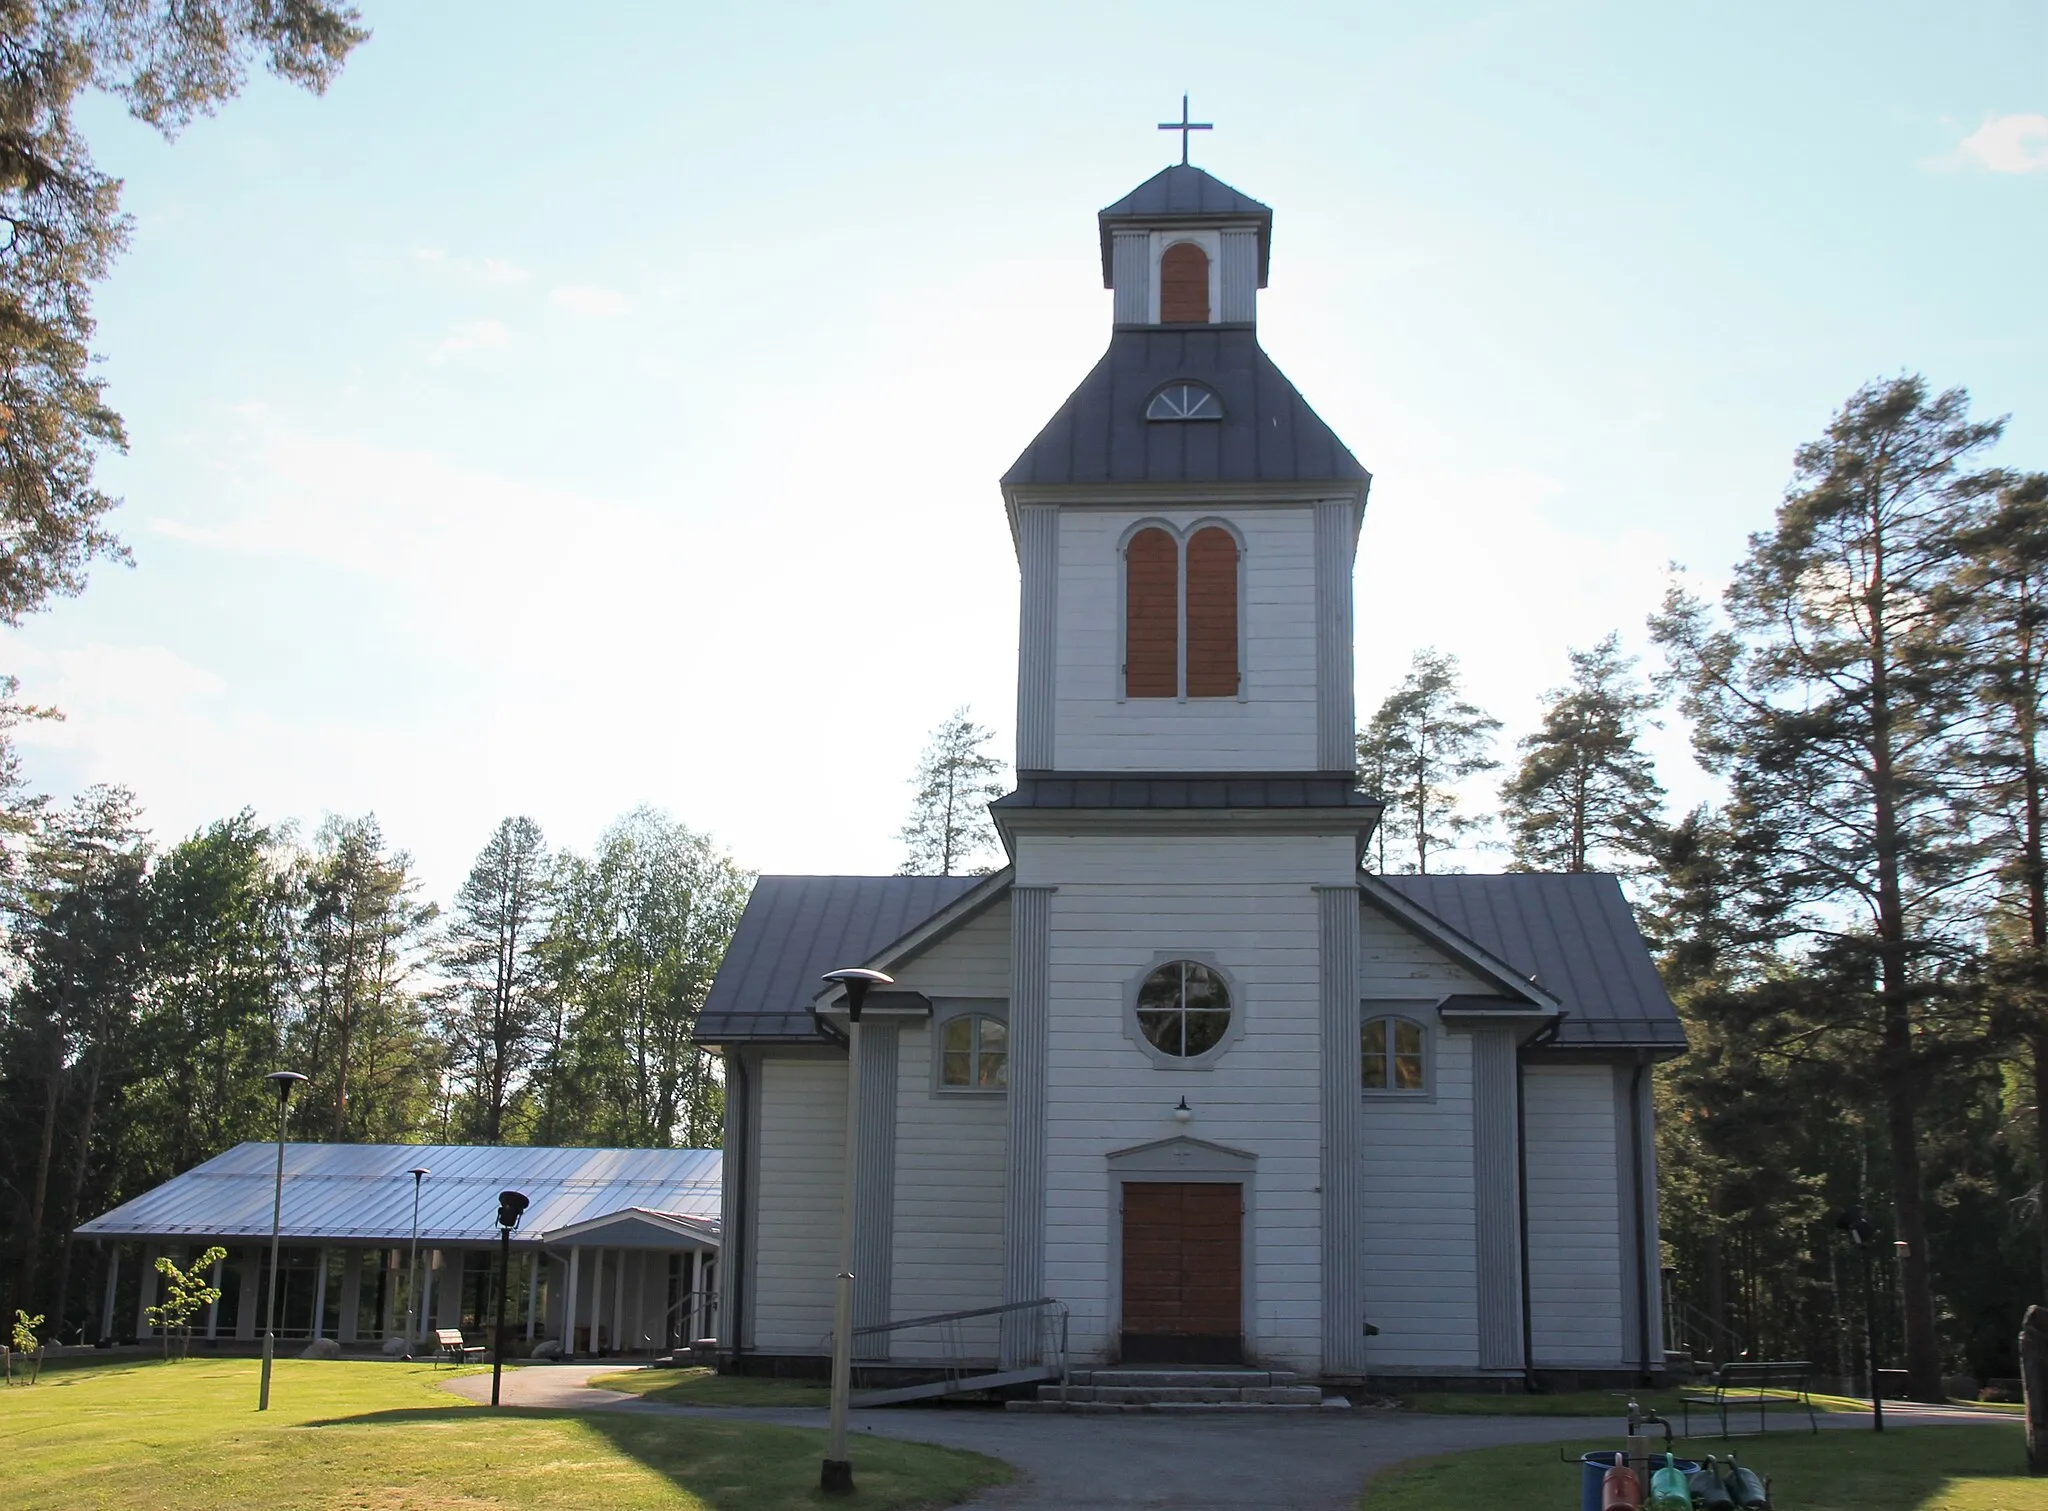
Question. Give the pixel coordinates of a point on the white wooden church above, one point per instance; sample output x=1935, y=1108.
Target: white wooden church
x=1183, y=1069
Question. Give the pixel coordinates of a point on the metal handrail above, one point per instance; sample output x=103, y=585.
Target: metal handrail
x=1689, y=1321
x=953, y=1365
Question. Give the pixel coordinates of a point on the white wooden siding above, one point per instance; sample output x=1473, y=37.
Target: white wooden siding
x=1419, y=1224
x=1120, y=903
x=1272, y=728
x=972, y=961
x=1574, y=1248
x=1393, y=963
x=949, y=1200
x=803, y=1134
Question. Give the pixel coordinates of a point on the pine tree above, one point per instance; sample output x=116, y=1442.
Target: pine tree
x=1584, y=792
x=495, y=1008
x=1425, y=740
x=2002, y=591
x=1831, y=702
x=950, y=831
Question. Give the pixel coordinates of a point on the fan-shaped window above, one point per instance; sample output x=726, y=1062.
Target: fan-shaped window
x=1152, y=615
x=1184, y=285
x=1212, y=613
x=1183, y=1009
x=1393, y=1055
x=1184, y=401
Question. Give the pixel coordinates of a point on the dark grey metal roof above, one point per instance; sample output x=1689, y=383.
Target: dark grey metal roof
x=1575, y=936
x=362, y=1192
x=1142, y=790
x=1268, y=433
x=796, y=928
x=1181, y=194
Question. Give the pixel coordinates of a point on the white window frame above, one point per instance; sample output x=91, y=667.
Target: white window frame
x=946, y=1012
x=1181, y=534
x=1231, y=1033
x=1416, y=1013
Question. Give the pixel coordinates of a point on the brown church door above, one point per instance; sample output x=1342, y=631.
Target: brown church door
x=1183, y=1273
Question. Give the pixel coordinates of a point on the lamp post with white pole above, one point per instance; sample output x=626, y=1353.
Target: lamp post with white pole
x=282, y=1082
x=837, y=1474
x=412, y=1270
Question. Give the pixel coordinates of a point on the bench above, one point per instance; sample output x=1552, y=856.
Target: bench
x=449, y=1345
x=1761, y=1383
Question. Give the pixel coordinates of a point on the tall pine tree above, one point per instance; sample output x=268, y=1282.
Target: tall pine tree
x=1585, y=796
x=1830, y=700
x=949, y=831
x=1423, y=743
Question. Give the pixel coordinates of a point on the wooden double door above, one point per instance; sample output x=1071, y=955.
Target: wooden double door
x=1183, y=1272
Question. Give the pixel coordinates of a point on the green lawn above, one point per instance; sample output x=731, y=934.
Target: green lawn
x=1590, y=1403
x=340, y=1436
x=1909, y=1469
x=706, y=1387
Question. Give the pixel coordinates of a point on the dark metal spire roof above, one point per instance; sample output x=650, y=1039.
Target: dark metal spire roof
x=1268, y=434
x=1180, y=196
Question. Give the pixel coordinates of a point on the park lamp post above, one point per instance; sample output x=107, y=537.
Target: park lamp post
x=510, y=1205
x=282, y=1082
x=412, y=1272
x=1854, y=1223
x=836, y=1478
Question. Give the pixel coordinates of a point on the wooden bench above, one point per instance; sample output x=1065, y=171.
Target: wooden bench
x=1760, y=1383
x=449, y=1346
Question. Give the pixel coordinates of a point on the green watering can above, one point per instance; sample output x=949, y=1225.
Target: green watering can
x=1669, y=1490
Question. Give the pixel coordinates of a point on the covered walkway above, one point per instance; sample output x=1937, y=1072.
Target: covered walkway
x=616, y=1254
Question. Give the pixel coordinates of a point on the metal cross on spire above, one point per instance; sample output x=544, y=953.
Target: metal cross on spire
x=1184, y=126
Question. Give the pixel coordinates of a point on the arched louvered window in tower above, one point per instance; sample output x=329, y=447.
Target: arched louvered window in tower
x=1152, y=615
x=1184, y=285
x=1212, y=614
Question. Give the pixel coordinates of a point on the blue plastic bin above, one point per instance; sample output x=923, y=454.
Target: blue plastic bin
x=1593, y=1469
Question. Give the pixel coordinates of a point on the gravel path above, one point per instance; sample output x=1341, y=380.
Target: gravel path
x=1317, y=1461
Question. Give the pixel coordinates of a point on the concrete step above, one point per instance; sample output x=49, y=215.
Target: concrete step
x=1232, y=1378
x=1182, y=1395
x=1177, y=1408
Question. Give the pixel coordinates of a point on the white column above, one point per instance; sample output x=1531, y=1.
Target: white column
x=425, y=1324
x=145, y=1294
x=596, y=1302
x=351, y=1294
x=251, y=1270
x=213, y=1307
x=619, y=1340
x=113, y=1277
x=686, y=1324
x=387, y=1313
x=569, y=1305
x=532, y=1293
x=320, y=1295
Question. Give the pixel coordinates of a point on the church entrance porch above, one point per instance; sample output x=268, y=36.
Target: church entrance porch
x=1183, y=1272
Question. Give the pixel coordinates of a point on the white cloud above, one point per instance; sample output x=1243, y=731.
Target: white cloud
x=590, y=299
x=491, y=272
x=471, y=336
x=2008, y=144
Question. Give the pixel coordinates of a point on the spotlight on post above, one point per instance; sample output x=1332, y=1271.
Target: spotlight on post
x=837, y=1476
x=412, y=1273
x=510, y=1205
x=1858, y=1227
x=282, y=1082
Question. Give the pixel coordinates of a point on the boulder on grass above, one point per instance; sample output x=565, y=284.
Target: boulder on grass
x=394, y=1347
x=547, y=1348
x=321, y=1348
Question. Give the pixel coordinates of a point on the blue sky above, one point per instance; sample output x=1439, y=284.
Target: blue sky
x=555, y=418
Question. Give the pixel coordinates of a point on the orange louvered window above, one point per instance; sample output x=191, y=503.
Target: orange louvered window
x=1184, y=285
x=1151, y=615
x=1212, y=614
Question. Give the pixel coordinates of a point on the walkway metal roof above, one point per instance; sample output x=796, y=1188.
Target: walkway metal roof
x=362, y=1193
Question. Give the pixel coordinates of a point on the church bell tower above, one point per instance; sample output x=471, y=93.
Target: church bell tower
x=1185, y=524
